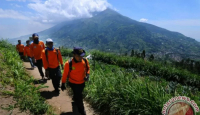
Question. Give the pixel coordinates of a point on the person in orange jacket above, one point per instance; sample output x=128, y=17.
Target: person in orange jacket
x=28, y=53
x=20, y=49
x=36, y=49
x=51, y=58
x=77, y=74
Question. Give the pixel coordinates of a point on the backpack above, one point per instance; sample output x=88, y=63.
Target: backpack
x=70, y=65
x=46, y=53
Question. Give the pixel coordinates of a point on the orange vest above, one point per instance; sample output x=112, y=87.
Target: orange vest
x=36, y=50
x=27, y=51
x=20, y=47
x=53, y=59
x=77, y=73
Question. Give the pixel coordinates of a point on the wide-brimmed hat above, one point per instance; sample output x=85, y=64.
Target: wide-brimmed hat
x=35, y=35
x=79, y=51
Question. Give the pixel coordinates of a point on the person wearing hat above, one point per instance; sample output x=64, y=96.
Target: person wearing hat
x=28, y=54
x=77, y=74
x=20, y=49
x=36, y=51
x=51, y=57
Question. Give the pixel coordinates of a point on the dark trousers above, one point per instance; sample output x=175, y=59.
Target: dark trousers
x=39, y=65
x=21, y=54
x=31, y=61
x=55, y=75
x=78, y=96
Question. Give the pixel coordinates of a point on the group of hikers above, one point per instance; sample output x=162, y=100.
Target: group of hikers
x=76, y=70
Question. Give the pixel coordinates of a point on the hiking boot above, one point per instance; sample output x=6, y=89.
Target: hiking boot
x=57, y=90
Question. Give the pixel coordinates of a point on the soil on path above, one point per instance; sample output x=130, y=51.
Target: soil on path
x=62, y=102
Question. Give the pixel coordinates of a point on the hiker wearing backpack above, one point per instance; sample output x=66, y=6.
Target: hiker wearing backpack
x=51, y=58
x=77, y=70
x=36, y=51
x=20, y=49
x=28, y=53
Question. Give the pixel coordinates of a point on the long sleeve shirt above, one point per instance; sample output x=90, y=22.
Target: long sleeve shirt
x=77, y=73
x=27, y=51
x=20, y=47
x=36, y=50
x=53, y=60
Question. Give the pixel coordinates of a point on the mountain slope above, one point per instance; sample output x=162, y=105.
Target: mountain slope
x=110, y=31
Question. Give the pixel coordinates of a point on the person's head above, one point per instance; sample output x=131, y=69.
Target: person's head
x=35, y=37
x=49, y=43
x=19, y=41
x=28, y=42
x=78, y=53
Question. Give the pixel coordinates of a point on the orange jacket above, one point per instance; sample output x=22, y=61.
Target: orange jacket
x=27, y=51
x=77, y=73
x=20, y=47
x=36, y=50
x=53, y=59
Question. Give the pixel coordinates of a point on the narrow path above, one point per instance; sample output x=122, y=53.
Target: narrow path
x=62, y=103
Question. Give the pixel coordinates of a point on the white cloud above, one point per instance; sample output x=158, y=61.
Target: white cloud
x=184, y=22
x=12, y=14
x=16, y=5
x=61, y=10
x=143, y=20
x=17, y=0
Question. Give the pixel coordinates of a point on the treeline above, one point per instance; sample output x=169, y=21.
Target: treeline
x=189, y=64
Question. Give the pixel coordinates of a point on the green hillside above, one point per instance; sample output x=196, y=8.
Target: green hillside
x=111, y=31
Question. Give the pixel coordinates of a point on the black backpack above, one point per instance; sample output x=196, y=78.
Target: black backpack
x=46, y=53
x=70, y=65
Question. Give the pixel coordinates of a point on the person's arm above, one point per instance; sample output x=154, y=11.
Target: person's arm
x=44, y=60
x=23, y=47
x=43, y=45
x=65, y=72
x=60, y=57
x=31, y=50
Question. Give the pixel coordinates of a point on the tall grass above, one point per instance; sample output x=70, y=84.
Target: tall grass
x=150, y=68
x=117, y=91
x=26, y=95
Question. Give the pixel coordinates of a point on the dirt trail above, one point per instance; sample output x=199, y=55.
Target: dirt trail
x=62, y=103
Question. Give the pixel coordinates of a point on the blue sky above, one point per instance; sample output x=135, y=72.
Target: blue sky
x=22, y=17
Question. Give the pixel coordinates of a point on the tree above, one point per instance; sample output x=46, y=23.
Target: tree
x=132, y=53
x=151, y=58
x=143, y=54
x=126, y=54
